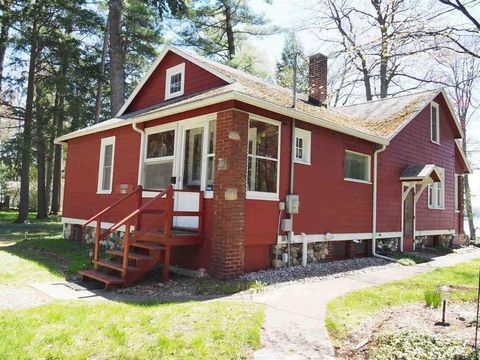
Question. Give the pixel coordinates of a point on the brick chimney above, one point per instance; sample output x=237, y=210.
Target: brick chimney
x=317, y=79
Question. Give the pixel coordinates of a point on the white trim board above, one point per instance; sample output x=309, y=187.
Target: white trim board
x=298, y=239
x=337, y=237
x=103, y=225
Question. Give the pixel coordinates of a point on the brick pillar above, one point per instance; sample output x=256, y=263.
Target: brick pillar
x=228, y=235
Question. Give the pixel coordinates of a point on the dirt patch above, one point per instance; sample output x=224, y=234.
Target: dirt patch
x=411, y=318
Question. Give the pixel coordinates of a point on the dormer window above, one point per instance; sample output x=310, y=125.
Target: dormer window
x=175, y=80
x=435, y=123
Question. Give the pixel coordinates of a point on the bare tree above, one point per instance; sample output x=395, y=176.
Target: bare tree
x=379, y=37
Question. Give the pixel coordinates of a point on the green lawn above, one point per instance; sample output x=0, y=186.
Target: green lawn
x=346, y=312
x=36, y=251
x=409, y=259
x=85, y=330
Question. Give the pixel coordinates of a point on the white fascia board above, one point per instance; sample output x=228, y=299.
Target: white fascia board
x=157, y=61
x=464, y=157
x=92, y=129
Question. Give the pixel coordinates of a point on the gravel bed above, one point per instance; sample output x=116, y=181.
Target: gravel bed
x=319, y=271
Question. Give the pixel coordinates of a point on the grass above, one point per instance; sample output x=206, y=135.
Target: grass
x=208, y=285
x=408, y=259
x=36, y=251
x=33, y=229
x=433, y=298
x=83, y=330
x=346, y=312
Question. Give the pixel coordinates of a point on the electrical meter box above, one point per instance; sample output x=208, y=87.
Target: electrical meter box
x=286, y=225
x=292, y=203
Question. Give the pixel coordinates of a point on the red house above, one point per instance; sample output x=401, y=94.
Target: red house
x=208, y=167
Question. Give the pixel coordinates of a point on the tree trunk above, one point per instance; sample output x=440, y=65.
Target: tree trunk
x=57, y=162
x=27, y=135
x=366, y=81
x=49, y=165
x=101, y=74
x=117, y=69
x=229, y=30
x=4, y=37
x=41, y=191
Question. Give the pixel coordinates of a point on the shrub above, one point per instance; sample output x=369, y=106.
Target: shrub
x=433, y=298
x=409, y=345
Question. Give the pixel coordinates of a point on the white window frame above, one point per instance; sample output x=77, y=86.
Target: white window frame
x=175, y=70
x=456, y=193
x=434, y=203
x=260, y=195
x=103, y=144
x=163, y=159
x=369, y=167
x=306, y=137
x=437, y=120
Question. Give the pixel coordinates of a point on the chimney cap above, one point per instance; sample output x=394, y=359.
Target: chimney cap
x=317, y=55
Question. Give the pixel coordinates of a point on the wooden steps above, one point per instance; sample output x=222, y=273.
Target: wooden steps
x=107, y=279
x=133, y=256
x=147, y=245
x=113, y=265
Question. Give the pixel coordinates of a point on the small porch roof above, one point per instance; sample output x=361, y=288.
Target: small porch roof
x=421, y=173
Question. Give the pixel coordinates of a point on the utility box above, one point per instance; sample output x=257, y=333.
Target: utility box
x=292, y=203
x=286, y=225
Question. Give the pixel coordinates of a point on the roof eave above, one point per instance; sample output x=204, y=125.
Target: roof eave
x=239, y=96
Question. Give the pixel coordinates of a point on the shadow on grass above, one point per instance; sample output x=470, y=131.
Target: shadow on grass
x=41, y=242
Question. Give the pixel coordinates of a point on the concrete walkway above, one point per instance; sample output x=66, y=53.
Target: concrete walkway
x=295, y=314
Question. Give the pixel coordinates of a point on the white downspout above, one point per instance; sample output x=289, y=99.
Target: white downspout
x=374, y=204
x=142, y=145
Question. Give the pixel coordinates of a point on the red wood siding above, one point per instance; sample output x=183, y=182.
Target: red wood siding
x=412, y=146
x=197, y=79
x=81, y=177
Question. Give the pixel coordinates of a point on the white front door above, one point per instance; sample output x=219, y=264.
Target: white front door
x=190, y=173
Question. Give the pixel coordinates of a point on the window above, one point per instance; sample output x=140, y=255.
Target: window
x=456, y=195
x=357, y=166
x=302, y=146
x=159, y=159
x=435, y=123
x=263, y=141
x=436, y=192
x=211, y=155
x=105, y=168
x=175, y=80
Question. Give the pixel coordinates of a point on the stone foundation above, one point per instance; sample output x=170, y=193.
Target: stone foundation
x=318, y=252
x=387, y=245
x=75, y=232
x=444, y=240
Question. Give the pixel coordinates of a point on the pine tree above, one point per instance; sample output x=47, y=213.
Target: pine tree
x=284, y=67
x=220, y=28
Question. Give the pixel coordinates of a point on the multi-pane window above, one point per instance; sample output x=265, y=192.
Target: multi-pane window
x=159, y=159
x=357, y=166
x=436, y=192
x=175, y=83
x=435, y=123
x=263, y=141
x=211, y=155
x=175, y=79
x=105, y=172
x=302, y=146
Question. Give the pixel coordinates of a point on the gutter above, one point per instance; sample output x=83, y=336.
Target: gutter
x=142, y=146
x=374, y=207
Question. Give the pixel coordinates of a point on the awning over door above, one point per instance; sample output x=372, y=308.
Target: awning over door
x=421, y=173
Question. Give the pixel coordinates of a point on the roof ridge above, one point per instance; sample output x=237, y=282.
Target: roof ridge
x=218, y=64
x=437, y=90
